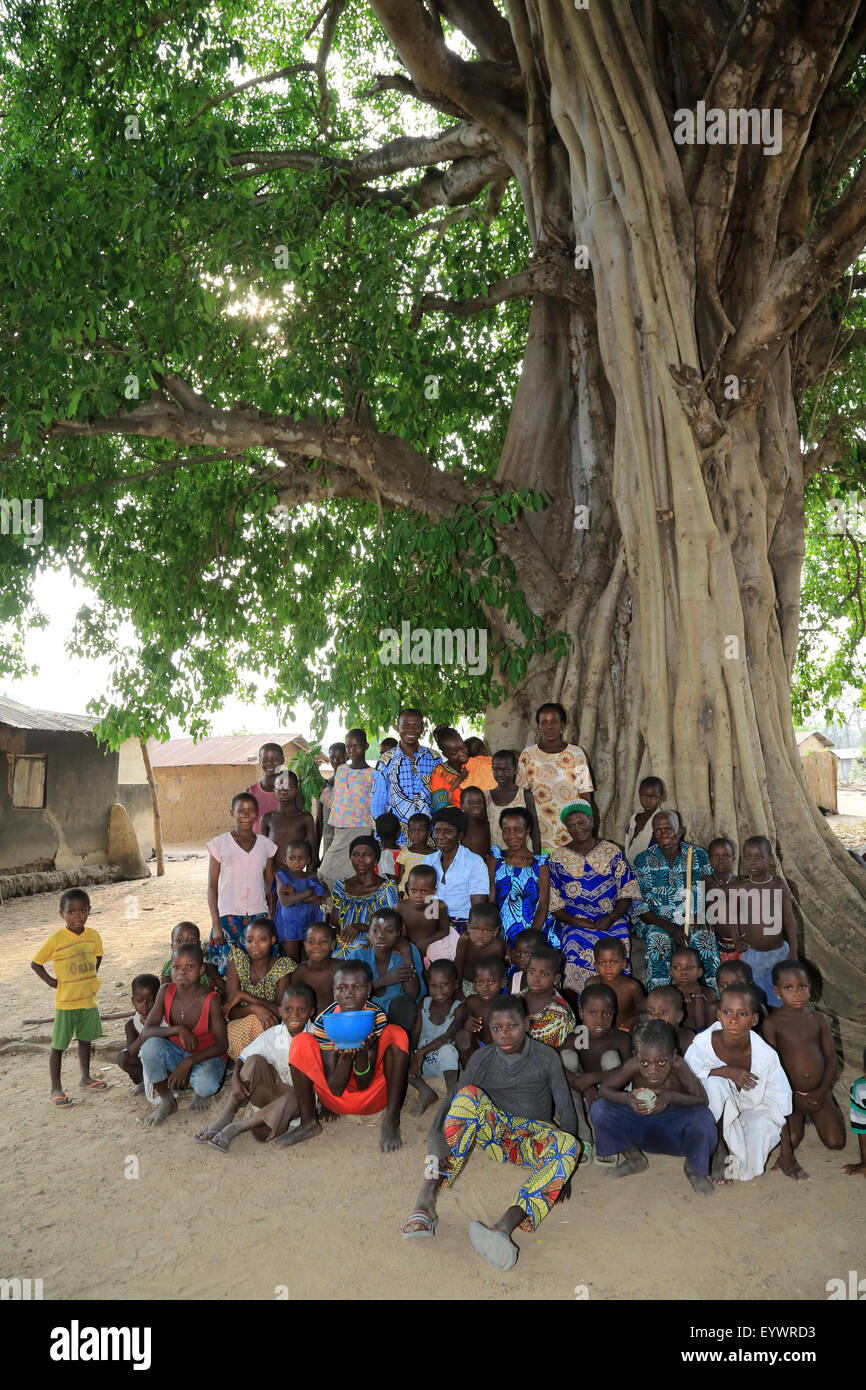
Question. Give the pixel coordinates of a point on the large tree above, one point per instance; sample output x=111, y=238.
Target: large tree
x=455, y=287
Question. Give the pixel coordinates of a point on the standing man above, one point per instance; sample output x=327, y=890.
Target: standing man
x=402, y=774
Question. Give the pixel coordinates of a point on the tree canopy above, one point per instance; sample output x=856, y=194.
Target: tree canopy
x=231, y=236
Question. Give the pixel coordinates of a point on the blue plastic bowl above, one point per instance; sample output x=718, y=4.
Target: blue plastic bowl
x=348, y=1030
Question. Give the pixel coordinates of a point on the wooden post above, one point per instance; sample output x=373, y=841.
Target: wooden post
x=154, y=799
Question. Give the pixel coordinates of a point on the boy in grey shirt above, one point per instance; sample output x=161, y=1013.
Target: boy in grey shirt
x=505, y=1101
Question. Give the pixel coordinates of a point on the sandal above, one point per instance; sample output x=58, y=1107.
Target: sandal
x=217, y=1142
x=497, y=1248
x=62, y=1101
x=97, y=1086
x=204, y=1136
x=423, y=1218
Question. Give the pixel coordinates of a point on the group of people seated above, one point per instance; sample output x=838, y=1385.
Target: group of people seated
x=557, y=998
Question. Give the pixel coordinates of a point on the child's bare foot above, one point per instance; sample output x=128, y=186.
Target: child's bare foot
x=631, y=1160
x=792, y=1170
x=718, y=1171
x=200, y=1103
x=297, y=1136
x=855, y=1170
x=326, y=1115
x=137, y=1089
x=426, y=1098
x=699, y=1181
x=167, y=1106
x=390, y=1137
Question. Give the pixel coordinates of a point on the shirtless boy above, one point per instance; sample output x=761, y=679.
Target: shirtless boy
x=667, y=1003
x=770, y=929
x=424, y=916
x=604, y=1046
x=801, y=1036
x=611, y=959
x=289, y=822
x=482, y=938
x=665, y=1112
x=489, y=982
x=474, y=807
x=698, y=998
x=317, y=968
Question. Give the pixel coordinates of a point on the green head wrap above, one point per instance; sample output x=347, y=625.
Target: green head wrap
x=573, y=806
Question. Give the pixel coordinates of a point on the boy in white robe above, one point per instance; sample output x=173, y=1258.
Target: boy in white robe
x=747, y=1091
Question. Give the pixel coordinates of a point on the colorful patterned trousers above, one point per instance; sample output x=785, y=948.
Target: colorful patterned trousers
x=472, y=1117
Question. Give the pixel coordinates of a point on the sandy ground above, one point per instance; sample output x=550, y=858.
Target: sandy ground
x=324, y=1220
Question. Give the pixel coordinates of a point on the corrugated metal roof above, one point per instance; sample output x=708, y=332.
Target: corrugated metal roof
x=221, y=752
x=23, y=717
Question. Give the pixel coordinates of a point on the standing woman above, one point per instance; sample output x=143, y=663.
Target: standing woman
x=356, y=899
x=447, y=777
x=519, y=879
x=237, y=881
x=555, y=771
x=591, y=889
x=350, y=813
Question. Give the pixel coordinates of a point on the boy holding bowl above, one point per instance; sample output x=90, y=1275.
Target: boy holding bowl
x=359, y=1080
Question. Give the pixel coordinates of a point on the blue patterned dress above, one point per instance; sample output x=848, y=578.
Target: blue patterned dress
x=517, y=896
x=589, y=887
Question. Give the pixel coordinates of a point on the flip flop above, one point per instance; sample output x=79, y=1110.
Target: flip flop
x=204, y=1136
x=62, y=1101
x=217, y=1142
x=496, y=1247
x=97, y=1086
x=429, y=1223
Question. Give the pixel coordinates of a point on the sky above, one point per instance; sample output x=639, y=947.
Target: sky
x=66, y=683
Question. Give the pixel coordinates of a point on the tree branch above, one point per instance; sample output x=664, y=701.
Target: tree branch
x=485, y=28
x=291, y=71
x=376, y=462
x=798, y=283
x=481, y=91
x=406, y=152
x=549, y=276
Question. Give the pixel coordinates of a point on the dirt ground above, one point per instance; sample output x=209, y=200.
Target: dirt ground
x=102, y=1208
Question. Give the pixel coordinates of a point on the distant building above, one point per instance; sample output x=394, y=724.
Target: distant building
x=820, y=767
x=196, y=781
x=810, y=741
x=57, y=794
x=847, y=758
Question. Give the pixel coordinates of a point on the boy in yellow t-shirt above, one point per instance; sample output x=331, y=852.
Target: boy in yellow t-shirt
x=76, y=952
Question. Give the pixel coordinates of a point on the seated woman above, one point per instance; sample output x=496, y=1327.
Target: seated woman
x=448, y=776
x=669, y=873
x=461, y=876
x=255, y=982
x=398, y=971
x=358, y=1081
x=591, y=891
x=354, y=900
x=519, y=879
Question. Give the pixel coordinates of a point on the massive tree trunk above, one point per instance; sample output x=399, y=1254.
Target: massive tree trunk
x=682, y=602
